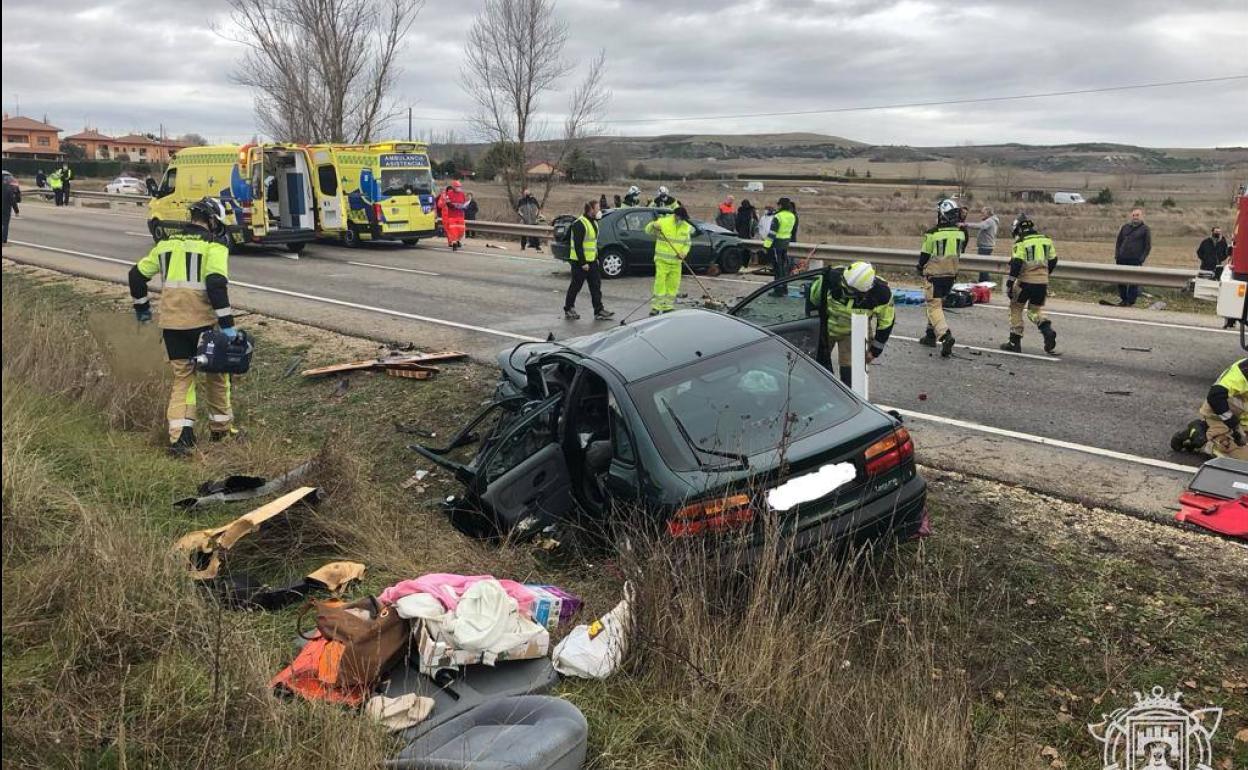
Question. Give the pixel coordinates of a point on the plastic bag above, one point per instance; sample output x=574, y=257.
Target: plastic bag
x=595, y=651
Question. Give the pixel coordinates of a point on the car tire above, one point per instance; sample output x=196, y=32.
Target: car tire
x=731, y=260
x=351, y=238
x=296, y=248
x=411, y=241
x=613, y=263
x=157, y=231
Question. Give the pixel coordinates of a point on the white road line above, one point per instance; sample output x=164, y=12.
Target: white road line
x=312, y=297
x=397, y=269
x=1013, y=434
x=137, y=235
x=1138, y=322
x=994, y=351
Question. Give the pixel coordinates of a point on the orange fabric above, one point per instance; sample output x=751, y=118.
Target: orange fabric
x=452, y=217
x=725, y=208
x=311, y=675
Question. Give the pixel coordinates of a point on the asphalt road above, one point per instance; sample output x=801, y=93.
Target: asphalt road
x=1099, y=393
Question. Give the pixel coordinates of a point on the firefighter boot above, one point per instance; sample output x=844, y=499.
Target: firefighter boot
x=1190, y=438
x=184, y=444
x=928, y=338
x=946, y=345
x=1050, y=338
x=1015, y=345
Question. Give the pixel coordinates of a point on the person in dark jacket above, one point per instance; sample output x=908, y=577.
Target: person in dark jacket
x=747, y=219
x=1212, y=252
x=41, y=179
x=1134, y=243
x=583, y=259
x=8, y=207
x=602, y=202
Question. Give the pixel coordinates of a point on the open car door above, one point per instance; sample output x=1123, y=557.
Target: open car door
x=259, y=192
x=329, y=197
x=786, y=307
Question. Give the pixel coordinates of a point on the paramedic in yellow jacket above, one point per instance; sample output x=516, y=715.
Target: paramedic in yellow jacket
x=938, y=264
x=1033, y=259
x=673, y=235
x=194, y=297
x=1224, y=415
x=855, y=289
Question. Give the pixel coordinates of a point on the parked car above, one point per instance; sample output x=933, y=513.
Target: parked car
x=126, y=185
x=1068, y=198
x=702, y=422
x=753, y=187
x=624, y=246
x=11, y=180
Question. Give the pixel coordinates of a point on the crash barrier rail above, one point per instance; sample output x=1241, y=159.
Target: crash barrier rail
x=1092, y=272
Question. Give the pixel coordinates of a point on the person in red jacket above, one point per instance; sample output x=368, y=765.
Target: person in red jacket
x=454, y=201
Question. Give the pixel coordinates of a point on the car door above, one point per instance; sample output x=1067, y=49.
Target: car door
x=631, y=231
x=259, y=207
x=701, y=249
x=525, y=473
x=328, y=192
x=786, y=308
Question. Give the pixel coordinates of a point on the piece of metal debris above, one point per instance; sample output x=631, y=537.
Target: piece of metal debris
x=1137, y=350
x=1116, y=392
x=416, y=478
x=240, y=487
x=294, y=365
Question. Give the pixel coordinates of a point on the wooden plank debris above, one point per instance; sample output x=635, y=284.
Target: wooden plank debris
x=412, y=361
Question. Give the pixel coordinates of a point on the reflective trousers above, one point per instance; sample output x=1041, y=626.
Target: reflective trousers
x=183, y=398
x=1030, y=297
x=934, y=290
x=666, y=284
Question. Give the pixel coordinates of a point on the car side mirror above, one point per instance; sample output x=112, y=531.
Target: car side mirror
x=598, y=456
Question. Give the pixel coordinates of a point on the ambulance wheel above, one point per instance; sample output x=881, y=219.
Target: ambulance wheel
x=295, y=248
x=410, y=241
x=158, y=232
x=351, y=238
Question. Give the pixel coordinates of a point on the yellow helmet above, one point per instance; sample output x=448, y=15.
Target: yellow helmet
x=860, y=277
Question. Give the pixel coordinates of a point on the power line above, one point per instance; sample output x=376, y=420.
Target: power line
x=904, y=105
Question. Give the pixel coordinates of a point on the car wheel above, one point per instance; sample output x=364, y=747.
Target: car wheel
x=351, y=238
x=411, y=241
x=730, y=260
x=612, y=263
x=158, y=232
x=295, y=248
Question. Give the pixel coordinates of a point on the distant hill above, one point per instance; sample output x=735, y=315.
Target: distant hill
x=801, y=147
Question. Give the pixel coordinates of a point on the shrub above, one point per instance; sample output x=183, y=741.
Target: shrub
x=1104, y=197
x=1168, y=203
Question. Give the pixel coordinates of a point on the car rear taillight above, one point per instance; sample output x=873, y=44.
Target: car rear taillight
x=717, y=515
x=889, y=452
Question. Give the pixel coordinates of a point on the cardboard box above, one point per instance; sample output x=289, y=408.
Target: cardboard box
x=552, y=606
x=437, y=653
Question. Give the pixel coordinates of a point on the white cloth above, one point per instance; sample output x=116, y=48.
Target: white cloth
x=399, y=713
x=420, y=606
x=488, y=620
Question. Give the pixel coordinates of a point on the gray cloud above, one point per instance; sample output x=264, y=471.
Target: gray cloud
x=123, y=65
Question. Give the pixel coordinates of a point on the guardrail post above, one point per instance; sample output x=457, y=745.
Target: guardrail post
x=858, y=354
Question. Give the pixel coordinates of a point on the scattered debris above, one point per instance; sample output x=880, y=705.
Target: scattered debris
x=243, y=592
x=412, y=429
x=294, y=365
x=411, y=373
x=1158, y=305
x=416, y=478
x=1116, y=392
x=240, y=487
x=1137, y=350
x=495, y=246
x=204, y=548
x=341, y=388
x=392, y=361
x=922, y=396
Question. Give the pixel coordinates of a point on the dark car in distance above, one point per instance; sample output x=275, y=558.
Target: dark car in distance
x=624, y=246
x=704, y=421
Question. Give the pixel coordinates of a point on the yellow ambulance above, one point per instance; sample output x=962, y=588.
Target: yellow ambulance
x=374, y=192
x=266, y=189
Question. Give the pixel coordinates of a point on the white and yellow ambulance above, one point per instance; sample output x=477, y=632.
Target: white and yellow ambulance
x=374, y=192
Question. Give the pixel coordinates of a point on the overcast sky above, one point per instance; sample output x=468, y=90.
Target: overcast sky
x=123, y=65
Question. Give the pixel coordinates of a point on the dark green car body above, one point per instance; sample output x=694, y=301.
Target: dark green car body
x=625, y=247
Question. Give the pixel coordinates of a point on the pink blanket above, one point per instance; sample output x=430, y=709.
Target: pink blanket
x=447, y=588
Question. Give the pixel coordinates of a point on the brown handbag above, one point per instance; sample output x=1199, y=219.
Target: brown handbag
x=370, y=646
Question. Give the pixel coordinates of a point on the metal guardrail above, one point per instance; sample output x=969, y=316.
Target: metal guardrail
x=1092, y=272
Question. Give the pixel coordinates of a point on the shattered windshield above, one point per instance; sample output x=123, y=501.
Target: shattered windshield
x=736, y=402
x=406, y=181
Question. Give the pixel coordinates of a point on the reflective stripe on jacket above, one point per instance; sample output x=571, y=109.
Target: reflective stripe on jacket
x=1034, y=252
x=941, y=247
x=586, y=238
x=783, y=224
x=842, y=304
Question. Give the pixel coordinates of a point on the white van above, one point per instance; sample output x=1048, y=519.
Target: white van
x=753, y=187
x=1068, y=198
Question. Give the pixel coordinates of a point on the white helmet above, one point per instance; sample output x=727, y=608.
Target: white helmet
x=662, y=190
x=860, y=277
x=634, y=190
x=948, y=212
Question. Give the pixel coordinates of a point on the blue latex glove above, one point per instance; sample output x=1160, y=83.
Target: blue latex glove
x=143, y=313
x=229, y=331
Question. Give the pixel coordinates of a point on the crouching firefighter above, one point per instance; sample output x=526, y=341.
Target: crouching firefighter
x=1224, y=418
x=194, y=272
x=854, y=289
x=938, y=265
x=1033, y=260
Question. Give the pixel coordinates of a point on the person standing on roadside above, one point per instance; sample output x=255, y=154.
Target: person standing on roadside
x=783, y=232
x=764, y=233
x=67, y=175
x=58, y=187
x=8, y=207
x=985, y=236
x=583, y=259
x=673, y=235
x=454, y=203
x=746, y=219
x=530, y=212
x=1212, y=252
x=41, y=179
x=938, y=265
x=1134, y=243
x=726, y=217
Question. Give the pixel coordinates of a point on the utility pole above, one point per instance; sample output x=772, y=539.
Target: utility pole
x=409, y=124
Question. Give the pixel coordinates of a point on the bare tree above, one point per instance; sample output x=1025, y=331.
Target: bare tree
x=513, y=57
x=321, y=70
x=1003, y=179
x=965, y=173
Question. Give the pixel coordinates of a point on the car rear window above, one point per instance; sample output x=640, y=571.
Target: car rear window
x=739, y=402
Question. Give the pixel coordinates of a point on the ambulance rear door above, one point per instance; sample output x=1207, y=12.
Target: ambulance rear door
x=331, y=202
x=259, y=178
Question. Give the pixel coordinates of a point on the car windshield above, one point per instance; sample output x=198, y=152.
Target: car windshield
x=737, y=403
x=406, y=181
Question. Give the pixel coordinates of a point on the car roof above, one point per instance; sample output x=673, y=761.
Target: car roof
x=644, y=348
